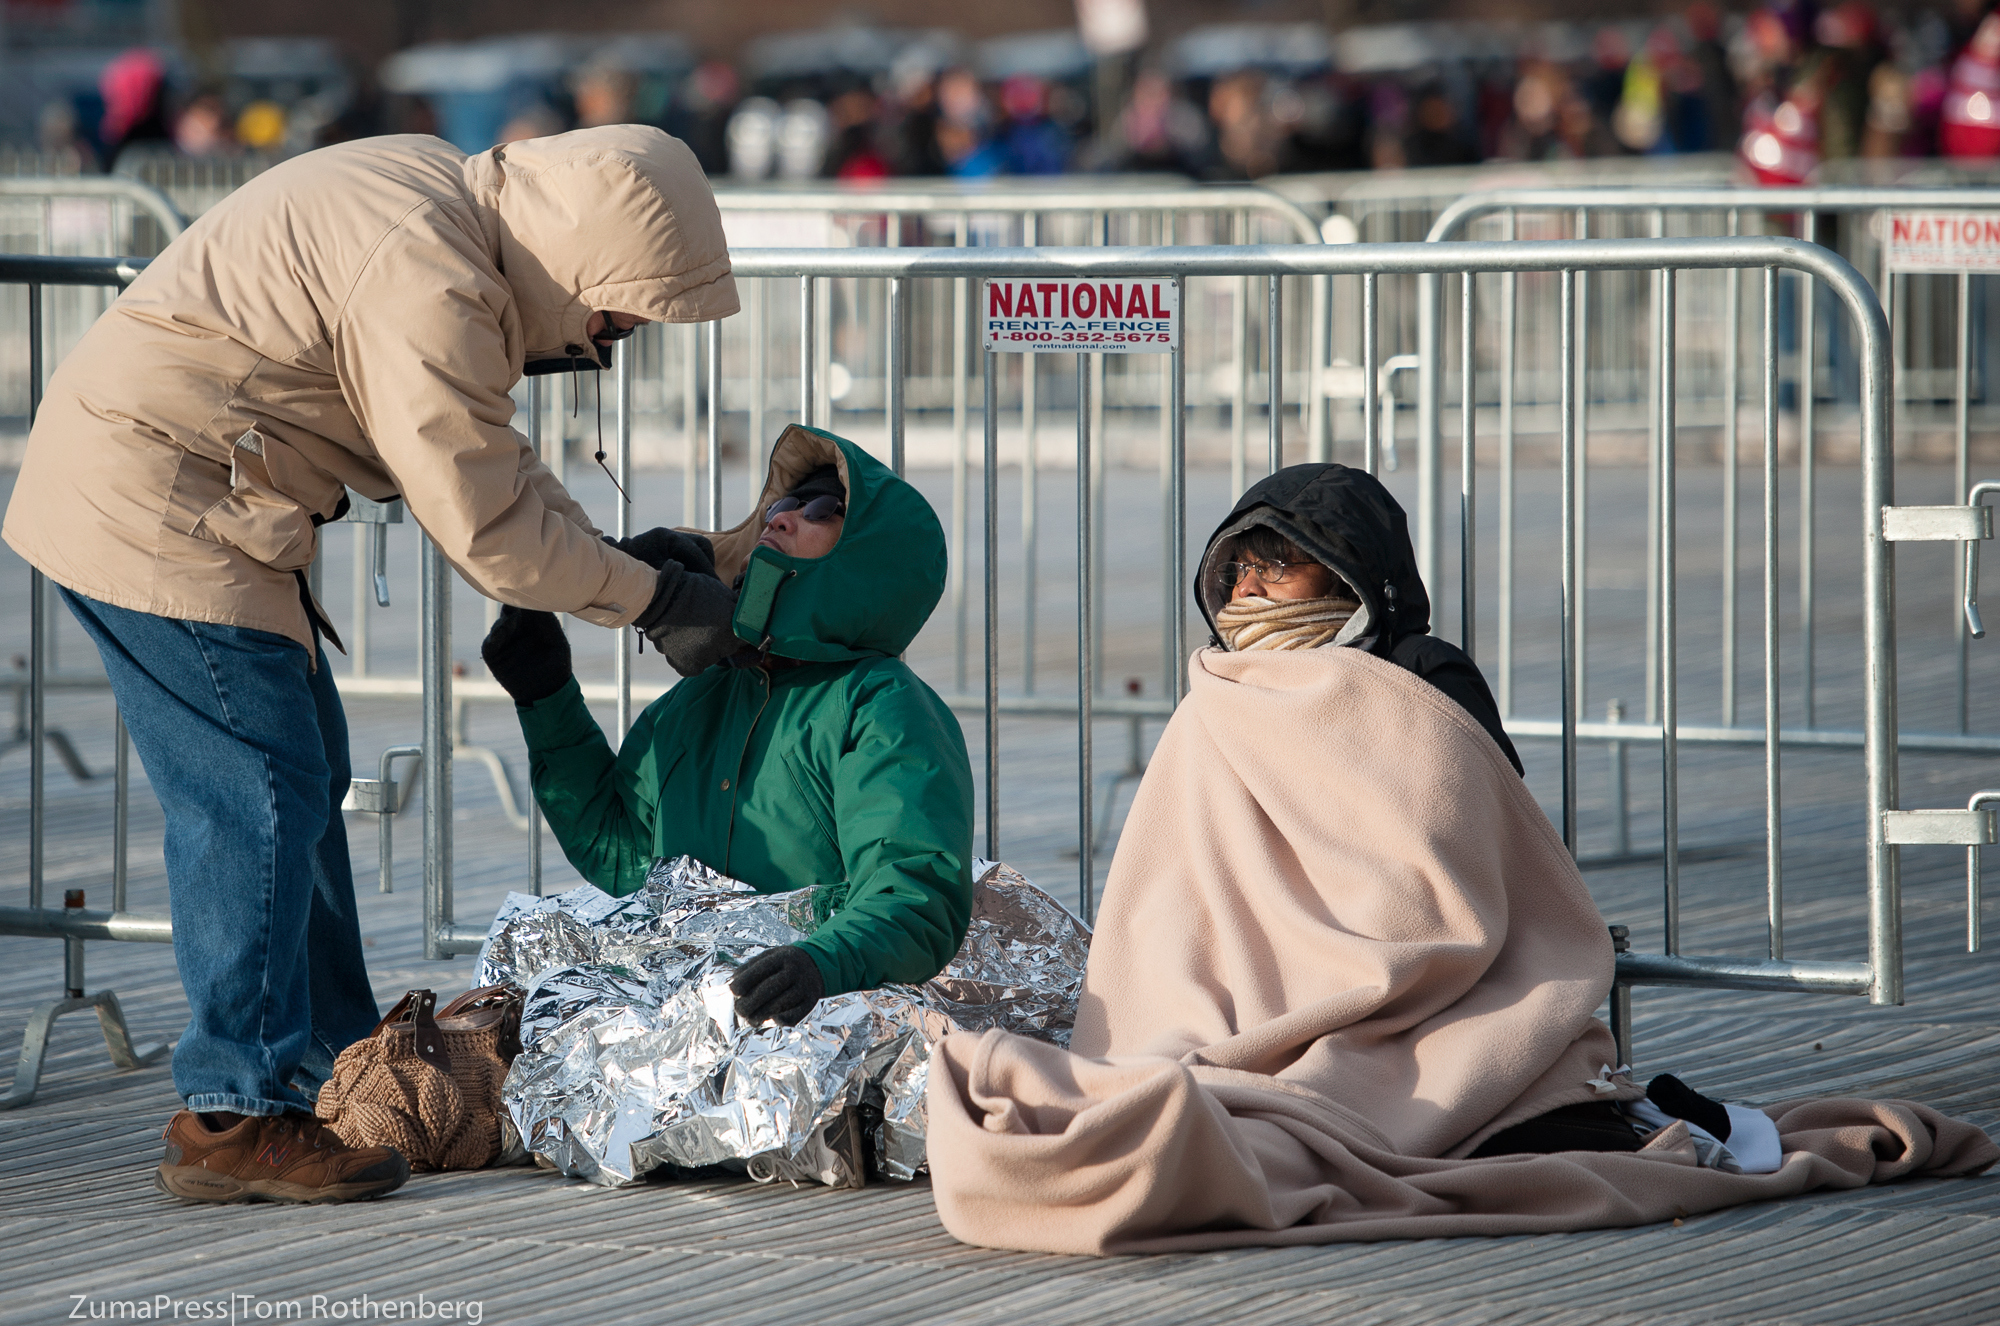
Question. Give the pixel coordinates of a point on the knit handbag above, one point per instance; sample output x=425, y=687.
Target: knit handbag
x=428, y=1083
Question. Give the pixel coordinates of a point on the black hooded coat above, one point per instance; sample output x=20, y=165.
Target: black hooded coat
x=1346, y=519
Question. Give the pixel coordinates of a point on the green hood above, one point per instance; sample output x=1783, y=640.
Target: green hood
x=868, y=597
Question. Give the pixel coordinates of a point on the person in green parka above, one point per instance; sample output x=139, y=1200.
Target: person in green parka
x=799, y=751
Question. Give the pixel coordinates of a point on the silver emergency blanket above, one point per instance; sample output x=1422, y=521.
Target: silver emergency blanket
x=633, y=1058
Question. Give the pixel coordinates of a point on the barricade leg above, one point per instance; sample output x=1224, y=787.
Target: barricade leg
x=1086, y=683
x=435, y=663
x=110, y=1016
x=110, y=1019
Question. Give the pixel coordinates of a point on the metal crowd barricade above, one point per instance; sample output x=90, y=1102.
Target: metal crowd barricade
x=1966, y=520
x=1102, y=212
x=1390, y=206
x=194, y=183
x=1121, y=211
x=73, y=923
x=130, y=206
x=1099, y=212
x=73, y=216
x=383, y=795
x=1730, y=208
x=1880, y=977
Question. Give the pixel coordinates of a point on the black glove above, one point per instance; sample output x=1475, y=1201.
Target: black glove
x=657, y=547
x=779, y=983
x=527, y=653
x=688, y=620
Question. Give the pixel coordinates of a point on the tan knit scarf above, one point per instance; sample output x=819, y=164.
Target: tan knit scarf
x=1254, y=623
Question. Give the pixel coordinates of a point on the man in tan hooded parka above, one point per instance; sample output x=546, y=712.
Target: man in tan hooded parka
x=354, y=318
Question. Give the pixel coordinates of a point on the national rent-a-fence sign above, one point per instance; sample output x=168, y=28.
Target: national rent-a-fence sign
x=1113, y=316
x=1943, y=241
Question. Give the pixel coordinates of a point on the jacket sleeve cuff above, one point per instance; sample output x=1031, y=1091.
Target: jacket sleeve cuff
x=627, y=591
x=830, y=974
x=559, y=720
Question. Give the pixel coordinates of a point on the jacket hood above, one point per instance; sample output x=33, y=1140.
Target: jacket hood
x=618, y=218
x=1346, y=519
x=868, y=597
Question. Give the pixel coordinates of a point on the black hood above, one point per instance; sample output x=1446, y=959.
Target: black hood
x=1345, y=518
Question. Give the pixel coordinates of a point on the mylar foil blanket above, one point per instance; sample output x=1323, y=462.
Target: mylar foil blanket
x=633, y=1058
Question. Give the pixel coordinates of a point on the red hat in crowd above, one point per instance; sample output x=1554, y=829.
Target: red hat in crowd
x=1970, y=123
x=1782, y=146
x=131, y=86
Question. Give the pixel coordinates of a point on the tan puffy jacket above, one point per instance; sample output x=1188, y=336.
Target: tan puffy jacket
x=357, y=316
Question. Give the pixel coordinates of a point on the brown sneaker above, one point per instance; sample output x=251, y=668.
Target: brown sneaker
x=279, y=1158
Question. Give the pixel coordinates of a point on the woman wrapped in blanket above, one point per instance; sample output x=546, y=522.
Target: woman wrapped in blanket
x=1345, y=977
x=1319, y=556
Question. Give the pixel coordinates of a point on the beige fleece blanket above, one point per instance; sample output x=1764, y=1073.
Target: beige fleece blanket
x=1340, y=945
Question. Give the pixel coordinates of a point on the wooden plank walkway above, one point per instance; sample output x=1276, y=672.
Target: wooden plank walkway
x=78, y=1214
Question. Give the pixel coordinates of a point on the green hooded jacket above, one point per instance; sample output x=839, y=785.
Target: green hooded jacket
x=845, y=770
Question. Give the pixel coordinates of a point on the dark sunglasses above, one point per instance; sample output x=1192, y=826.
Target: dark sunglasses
x=818, y=511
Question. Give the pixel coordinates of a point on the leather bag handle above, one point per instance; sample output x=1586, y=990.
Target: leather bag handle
x=399, y=1012
x=507, y=998
x=473, y=1000
x=419, y=1009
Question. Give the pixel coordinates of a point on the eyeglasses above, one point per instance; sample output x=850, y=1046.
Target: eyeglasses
x=612, y=331
x=819, y=510
x=1271, y=573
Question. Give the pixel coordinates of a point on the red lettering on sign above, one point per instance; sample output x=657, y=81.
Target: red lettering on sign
x=1086, y=294
x=1110, y=301
x=1158, y=312
x=999, y=300
x=1900, y=229
x=1048, y=289
x=1024, y=304
x=1065, y=301
x=1135, y=301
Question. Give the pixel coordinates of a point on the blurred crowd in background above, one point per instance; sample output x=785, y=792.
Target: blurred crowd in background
x=1787, y=85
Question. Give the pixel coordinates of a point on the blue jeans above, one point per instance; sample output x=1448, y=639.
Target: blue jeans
x=246, y=747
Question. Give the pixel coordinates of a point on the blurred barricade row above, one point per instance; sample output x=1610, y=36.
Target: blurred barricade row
x=71, y=216
x=1227, y=371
